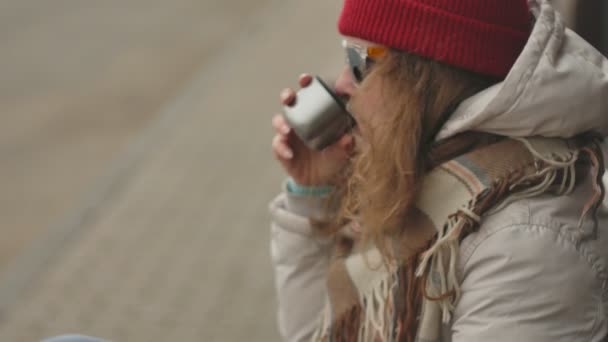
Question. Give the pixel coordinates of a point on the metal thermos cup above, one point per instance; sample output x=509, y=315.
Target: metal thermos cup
x=319, y=116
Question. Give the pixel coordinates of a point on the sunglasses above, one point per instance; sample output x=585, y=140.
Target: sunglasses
x=360, y=58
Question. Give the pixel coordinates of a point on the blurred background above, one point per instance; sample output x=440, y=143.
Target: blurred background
x=136, y=165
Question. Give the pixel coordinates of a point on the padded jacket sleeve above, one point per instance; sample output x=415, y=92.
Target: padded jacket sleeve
x=529, y=283
x=300, y=262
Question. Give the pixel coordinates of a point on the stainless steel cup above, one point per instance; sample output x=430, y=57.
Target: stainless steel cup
x=319, y=116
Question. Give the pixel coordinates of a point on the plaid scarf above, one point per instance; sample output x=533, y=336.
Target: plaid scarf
x=368, y=293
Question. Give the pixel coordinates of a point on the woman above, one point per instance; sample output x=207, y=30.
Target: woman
x=466, y=203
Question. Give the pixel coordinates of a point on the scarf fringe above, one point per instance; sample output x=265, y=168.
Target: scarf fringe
x=379, y=308
x=432, y=273
x=346, y=330
x=370, y=320
x=439, y=263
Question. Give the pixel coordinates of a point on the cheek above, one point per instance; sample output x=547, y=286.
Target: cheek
x=367, y=109
x=358, y=110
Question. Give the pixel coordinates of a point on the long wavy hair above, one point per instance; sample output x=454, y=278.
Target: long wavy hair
x=382, y=181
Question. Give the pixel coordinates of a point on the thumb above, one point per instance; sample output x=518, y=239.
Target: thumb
x=347, y=143
x=341, y=149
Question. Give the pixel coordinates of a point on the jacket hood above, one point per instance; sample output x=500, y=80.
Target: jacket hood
x=558, y=87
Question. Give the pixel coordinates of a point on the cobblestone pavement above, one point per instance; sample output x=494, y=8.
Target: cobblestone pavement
x=170, y=243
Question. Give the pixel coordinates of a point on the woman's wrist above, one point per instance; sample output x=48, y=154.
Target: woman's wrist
x=308, y=190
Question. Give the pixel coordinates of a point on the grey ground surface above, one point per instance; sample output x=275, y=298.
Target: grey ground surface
x=135, y=144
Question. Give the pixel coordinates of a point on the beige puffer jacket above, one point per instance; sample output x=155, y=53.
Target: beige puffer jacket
x=526, y=276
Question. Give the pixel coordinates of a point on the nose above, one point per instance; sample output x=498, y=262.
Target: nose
x=345, y=84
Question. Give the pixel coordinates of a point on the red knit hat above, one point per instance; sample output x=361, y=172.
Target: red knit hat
x=485, y=36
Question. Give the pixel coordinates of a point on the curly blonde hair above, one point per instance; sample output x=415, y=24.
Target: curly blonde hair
x=382, y=181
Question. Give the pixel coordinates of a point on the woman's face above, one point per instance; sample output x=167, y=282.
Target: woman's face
x=365, y=100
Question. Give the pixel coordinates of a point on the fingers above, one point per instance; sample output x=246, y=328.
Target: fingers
x=305, y=80
x=347, y=142
x=280, y=125
x=288, y=97
x=280, y=145
x=280, y=148
x=342, y=149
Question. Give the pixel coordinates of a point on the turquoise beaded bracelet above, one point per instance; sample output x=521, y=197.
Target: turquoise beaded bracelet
x=317, y=191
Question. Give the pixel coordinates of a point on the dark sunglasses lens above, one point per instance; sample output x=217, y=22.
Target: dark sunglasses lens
x=356, y=63
x=357, y=74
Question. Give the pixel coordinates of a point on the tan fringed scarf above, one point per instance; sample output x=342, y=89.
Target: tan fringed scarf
x=367, y=295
